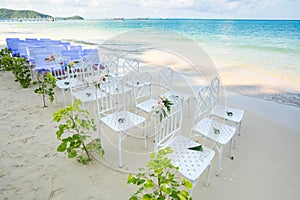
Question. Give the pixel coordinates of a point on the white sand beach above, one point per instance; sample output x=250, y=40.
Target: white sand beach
x=265, y=166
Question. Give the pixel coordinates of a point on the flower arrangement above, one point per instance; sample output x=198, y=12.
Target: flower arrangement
x=162, y=108
x=72, y=63
x=101, y=80
x=51, y=58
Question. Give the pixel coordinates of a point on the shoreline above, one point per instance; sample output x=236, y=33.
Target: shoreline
x=253, y=81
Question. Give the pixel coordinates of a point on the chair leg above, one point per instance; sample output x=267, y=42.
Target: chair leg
x=145, y=135
x=234, y=141
x=188, y=101
x=239, y=127
x=120, y=149
x=208, y=175
x=64, y=98
x=220, y=160
x=230, y=147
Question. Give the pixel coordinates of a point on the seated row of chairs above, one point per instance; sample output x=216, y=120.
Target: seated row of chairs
x=39, y=51
x=110, y=82
x=113, y=112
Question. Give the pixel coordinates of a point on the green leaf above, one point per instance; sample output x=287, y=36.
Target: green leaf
x=133, y=197
x=196, y=148
x=149, y=184
x=62, y=147
x=187, y=184
x=146, y=197
x=140, y=181
x=72, y=154
x=166, y=188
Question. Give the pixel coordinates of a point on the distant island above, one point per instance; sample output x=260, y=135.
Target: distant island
x=76, y=17
x=19, y=15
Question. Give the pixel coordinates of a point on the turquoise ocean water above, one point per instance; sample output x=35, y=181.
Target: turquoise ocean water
x=267, y=44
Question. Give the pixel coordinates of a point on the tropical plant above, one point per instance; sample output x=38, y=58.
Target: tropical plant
x=160, y=183
x=6, y=61
x=46, y=83
x=19, y=67
x=21, y=71
x=74, y=132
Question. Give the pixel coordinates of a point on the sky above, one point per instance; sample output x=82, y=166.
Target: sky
x=217, y=9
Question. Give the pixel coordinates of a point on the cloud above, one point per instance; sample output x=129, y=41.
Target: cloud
x=215, y=6
x=158, y=8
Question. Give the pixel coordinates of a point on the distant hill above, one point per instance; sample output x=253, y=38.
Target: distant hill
x=76, y=17
x=8, y=14
x=15, y=14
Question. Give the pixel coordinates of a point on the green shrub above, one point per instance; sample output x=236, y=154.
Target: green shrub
x=160, y=183
x=18, y=66
x=46, y=83
x=76, y=130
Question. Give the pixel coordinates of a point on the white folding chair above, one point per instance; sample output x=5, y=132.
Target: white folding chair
x=110, y=104
x=231, y=114
x=217, y=132
x=192, y=163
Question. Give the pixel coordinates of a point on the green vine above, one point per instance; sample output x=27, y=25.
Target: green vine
x=76, y=128
x=160, y=183
x=46, y=83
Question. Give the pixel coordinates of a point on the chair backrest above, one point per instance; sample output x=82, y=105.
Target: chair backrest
x=14, y=46
x=66, y=44
x=166, y=76
x=34, y=51
x=131, y=65
x=22, y=49
x=142, y=92
x=42, y=64
x=169, y=127
x=56, y=49
x=166, y=79
x=202, y=104
x=71, y=54
x=10, y=41
x=76, y=48
x=110, y=96
x=91, y=56
x=142, y=78
x=111, y=61
x=215, y=91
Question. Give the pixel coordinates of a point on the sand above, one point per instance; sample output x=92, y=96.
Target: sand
x=266, y=165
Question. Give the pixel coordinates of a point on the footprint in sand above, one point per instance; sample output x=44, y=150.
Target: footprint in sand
x=39, y=126
x=55, y=194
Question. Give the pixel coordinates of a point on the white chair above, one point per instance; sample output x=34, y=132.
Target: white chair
x=110, y=104
x=191, y=163
x=166, y=77
x=131, y=67
x=142, y=92
x=111, y=62
x=82, y=89
x=225, y=112
x=65, y=79
x=216, y=132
